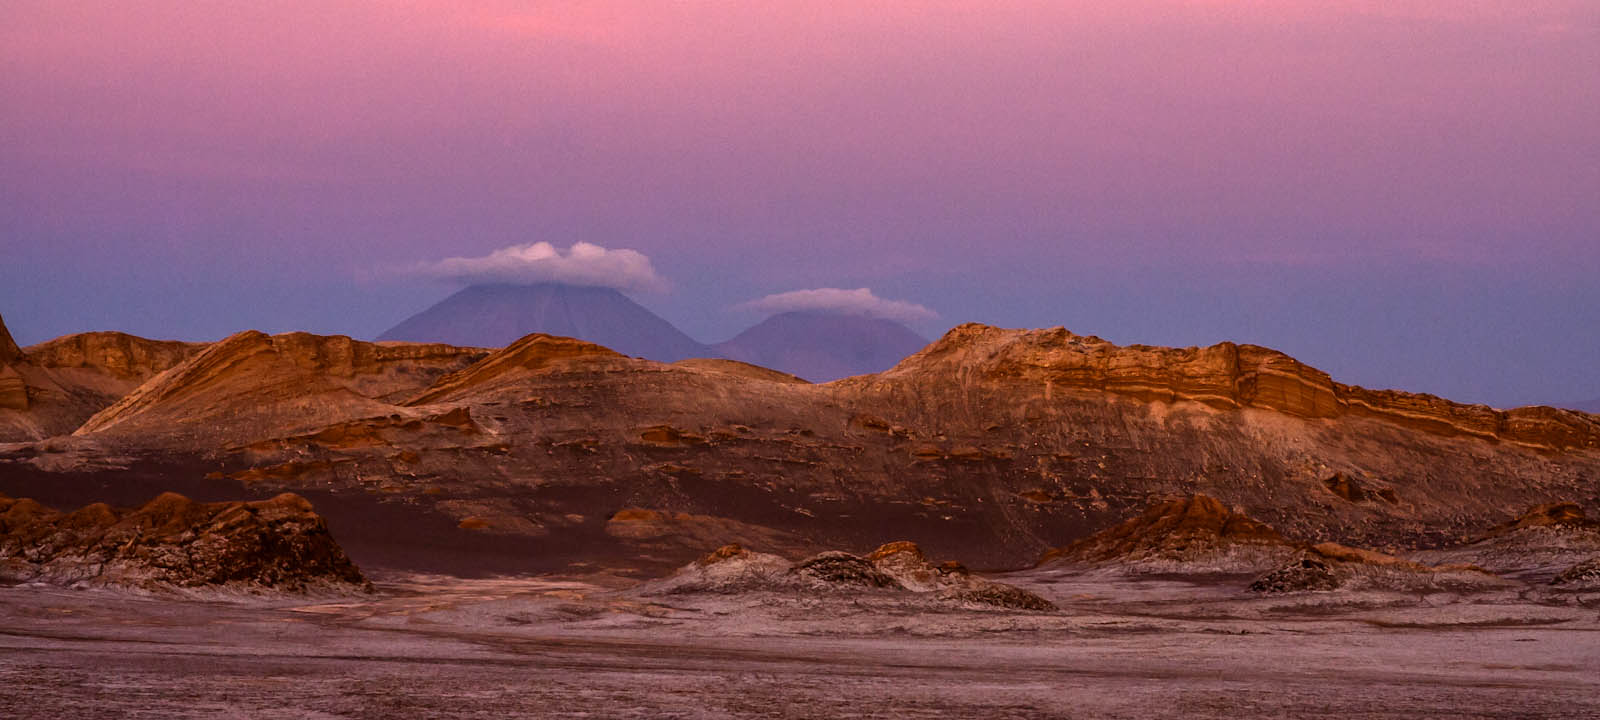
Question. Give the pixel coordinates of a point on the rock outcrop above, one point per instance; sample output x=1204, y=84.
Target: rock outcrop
x=1226, y=376
x=1197, y=534
x=894, y=568
x=173, y=542
x=1584, y=575
x=1535, y=545
x=1331, y=566
x=121, y=356
x=9, y=352
x=13, y=390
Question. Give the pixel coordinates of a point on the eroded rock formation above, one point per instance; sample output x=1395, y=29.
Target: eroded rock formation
x=1331, y=566
x=254, y=386
x=897, y=567
x=173, y=542
x=1196, y=533
x=989, y=446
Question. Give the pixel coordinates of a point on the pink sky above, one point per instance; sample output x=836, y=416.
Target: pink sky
x=777, y=143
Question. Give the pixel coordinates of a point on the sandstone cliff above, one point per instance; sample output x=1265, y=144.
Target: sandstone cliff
x=9, y=352
x=52, y=388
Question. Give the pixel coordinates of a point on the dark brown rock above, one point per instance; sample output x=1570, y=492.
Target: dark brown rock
x=1586, y=573
x=1196, y=530
x=171, y=541
x=845, y=570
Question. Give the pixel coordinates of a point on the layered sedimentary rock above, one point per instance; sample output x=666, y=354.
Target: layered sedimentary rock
x=118, y=355
x=9, y=351
x=1225, y=376
x=173, y=542
x=990, y=446
x=253, y=386
x=893, y=568
x=13, y=391
x=52, y=388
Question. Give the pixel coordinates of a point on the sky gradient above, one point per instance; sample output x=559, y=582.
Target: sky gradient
x=1403, y=193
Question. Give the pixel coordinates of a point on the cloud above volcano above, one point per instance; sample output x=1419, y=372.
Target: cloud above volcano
x=859, y=301
x=540, y=262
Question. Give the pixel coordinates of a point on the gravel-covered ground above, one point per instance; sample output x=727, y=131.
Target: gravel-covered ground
x=593, y=647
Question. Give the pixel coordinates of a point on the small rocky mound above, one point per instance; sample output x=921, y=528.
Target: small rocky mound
x=843, y=569
x=1584, y=574
x=174, y=542
x=1197, y=534
x=1305, y=574
x=1560, y=516
x=1535, y=546
x=1331, y=566
x=896, y=568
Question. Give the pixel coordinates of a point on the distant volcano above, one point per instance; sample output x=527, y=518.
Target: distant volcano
x=1593, y=406
x=822, y=346
x=498, y=315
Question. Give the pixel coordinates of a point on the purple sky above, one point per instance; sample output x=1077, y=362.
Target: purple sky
x=1405, y=193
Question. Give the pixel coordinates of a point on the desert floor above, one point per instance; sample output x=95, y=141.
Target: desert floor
x=601, y=647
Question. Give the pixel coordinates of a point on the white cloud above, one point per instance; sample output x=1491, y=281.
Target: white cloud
x=860, y=301
x=540, y=262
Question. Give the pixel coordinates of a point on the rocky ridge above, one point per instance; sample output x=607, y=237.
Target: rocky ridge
x=254, y=386
x=990, y=446
x=173, y=542
x=51, y=388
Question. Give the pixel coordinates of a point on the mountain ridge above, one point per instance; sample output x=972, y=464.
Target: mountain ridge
x=500, y=314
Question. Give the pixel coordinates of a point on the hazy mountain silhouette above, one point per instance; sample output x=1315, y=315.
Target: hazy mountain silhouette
x=1593, y=406
x=823, y=346
x=498, y=315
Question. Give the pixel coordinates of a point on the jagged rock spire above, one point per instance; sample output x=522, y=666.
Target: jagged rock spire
x=8, y=347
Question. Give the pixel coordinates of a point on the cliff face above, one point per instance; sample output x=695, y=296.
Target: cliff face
x=118, y=355
x=52, y=388
x=13, y=392
x=989, y=446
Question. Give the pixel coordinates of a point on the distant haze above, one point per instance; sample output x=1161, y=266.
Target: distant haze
x=1400, y=192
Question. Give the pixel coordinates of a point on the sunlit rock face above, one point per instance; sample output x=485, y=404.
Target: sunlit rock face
x=989, y=446
x=13, y=392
